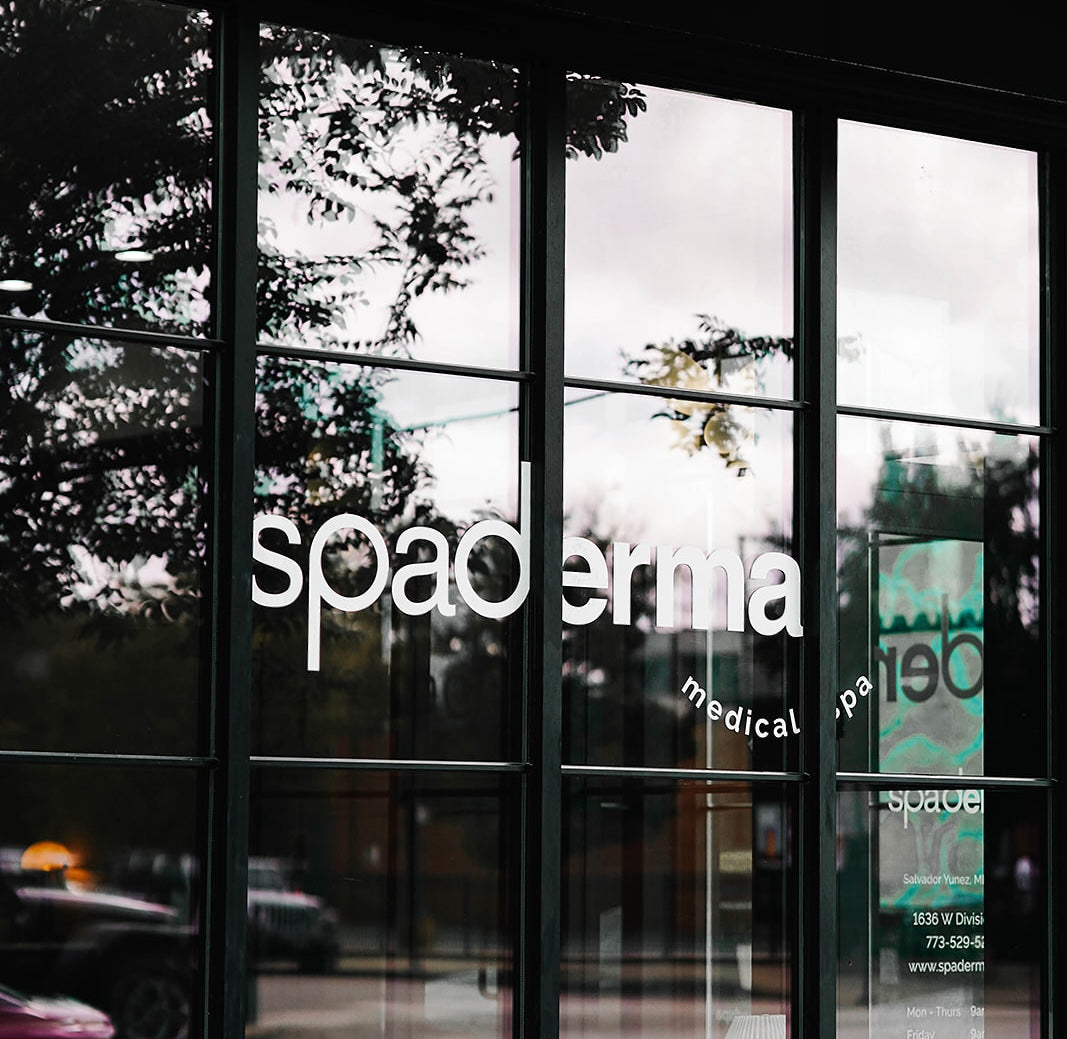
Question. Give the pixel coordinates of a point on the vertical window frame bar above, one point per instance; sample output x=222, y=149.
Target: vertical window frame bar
x=544, y=186
x=1052, y=202
x=815, y=947
x=226, y=984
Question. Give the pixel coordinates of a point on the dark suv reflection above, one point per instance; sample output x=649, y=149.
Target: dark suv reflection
x=126, y=955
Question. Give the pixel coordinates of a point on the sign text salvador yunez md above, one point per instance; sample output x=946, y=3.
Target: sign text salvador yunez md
x=779, y=571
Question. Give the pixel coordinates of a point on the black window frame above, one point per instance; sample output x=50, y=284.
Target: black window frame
x=819, y=93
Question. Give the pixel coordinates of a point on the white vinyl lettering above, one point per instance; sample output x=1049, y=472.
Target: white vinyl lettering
x=788, y=591
x=625, y=559
x=595, y=577
x=319, y=590
x=700, y=566
x=520, y=543
x=276, y=561
x=436, y=567
x=613, y=580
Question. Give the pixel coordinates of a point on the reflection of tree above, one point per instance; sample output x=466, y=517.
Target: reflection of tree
x=101, y=535
x=106, y=145
x=120, y=92
x=393, y=141
x=718, y=359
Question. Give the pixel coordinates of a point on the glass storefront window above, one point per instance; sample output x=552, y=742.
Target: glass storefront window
x=945, y=925
x=485, y=325
x=389, y=580
x=101, y=895
x=379, y=904
x=389, y=200
x=942, y=546
x=108, y=155
x=103, y=533
x=671, y=657
x=676, y=909
x=679, y=240
x=939, y=578
x=938, y=292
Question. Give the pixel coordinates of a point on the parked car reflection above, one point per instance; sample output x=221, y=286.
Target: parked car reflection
x=286, y=923
x=25, y=1017
x=127, y=956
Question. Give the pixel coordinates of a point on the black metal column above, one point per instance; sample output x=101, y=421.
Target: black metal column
x=235, y=301
x=543, y=279
x=815, y=965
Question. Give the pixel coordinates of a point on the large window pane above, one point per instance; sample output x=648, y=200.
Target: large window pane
x=941, y=919
x=391, y=567
x=107, y=149
x=940, y=544
x=389, y=200
x=679, y=239
x=675, y=908
x=938, y=306
x=677, y=529
x=379, y=905
x=102, y=542
x=100, y=892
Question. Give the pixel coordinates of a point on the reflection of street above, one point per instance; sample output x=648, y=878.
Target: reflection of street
x=294, y=1006
x=459, y=1003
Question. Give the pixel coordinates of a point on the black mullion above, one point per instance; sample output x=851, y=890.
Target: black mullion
x=132, y=336
x=334, y=356
x=1053, y=502
x=710, y=775
x=537, y=994
x=879, y=781
x=77, y=757
x=746, y=400
x=891, y=415
x=388, y=765
x=815, y=944
x=225, y=919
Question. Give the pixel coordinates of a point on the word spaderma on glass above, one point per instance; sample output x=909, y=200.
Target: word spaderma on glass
x=771, y=608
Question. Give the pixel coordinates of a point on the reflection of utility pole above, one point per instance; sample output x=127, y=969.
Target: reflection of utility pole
x=377, y=456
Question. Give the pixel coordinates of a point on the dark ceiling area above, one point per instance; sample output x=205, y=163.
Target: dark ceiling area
x=1012, y=48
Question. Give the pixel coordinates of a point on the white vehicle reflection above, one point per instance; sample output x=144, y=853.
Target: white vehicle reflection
x=285, y=923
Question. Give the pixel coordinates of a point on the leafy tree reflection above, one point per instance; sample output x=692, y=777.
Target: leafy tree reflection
x=106, y=154
x=106, y=160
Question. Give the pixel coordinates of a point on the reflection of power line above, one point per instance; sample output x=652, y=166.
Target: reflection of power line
x=477, y=417
x=381, y=418
x=587, y=397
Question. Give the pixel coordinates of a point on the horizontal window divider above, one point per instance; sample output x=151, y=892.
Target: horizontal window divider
x=899, y=780
x=55, y=757
x=677, y=393
x=119, y=335
x=385, y=765
x=725, y=774
x=403, y=363
x=1014, y=429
